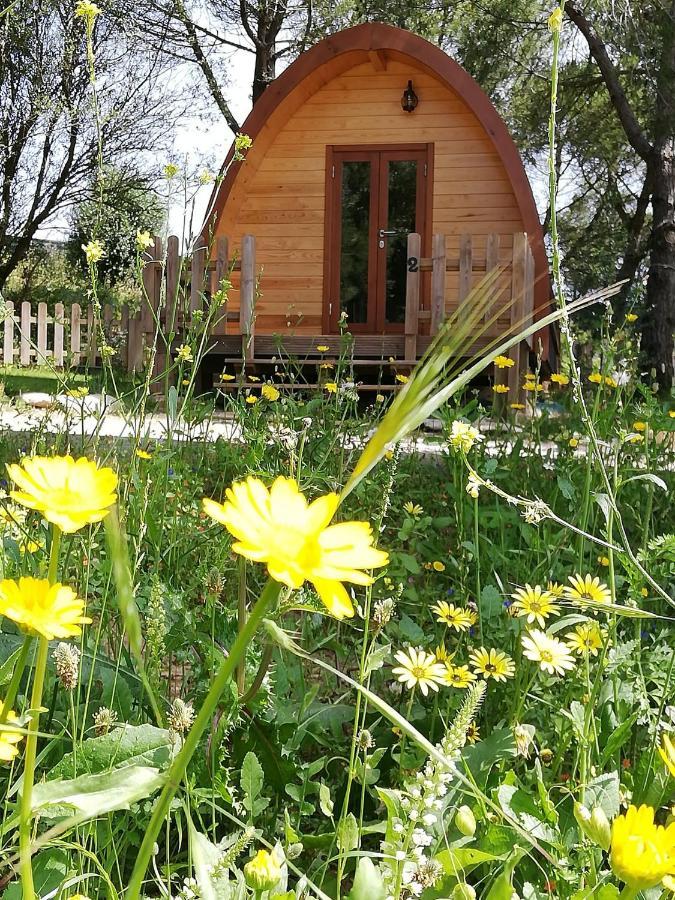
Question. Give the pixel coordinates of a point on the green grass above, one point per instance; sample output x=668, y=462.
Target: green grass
x=20, y=380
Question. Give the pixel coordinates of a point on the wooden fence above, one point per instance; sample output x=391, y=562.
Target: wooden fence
x=174, y=288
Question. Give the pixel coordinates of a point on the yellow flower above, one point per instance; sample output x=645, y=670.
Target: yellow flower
x=170, y=170
x=574, y=442
x=253, y=378
x=417, y=667
x=667, y=751
x=472, y=733
x=9, y=739
x=532, y=386
x=585, y=639
x=226, y=377
x=642, y=854
x=77, y=392
x=637, y=438
x=555, y=20
x=185, y=382
x=251, y=399
x=331, y=387
x=644, y=592
x=144, y=240
x=603, y=561
x=631, y=317
x=587, y=588
x=263, y=872
x=454, y=616
x=143, y=454
x=492, y=664
x=535, y=604
x=611, y=382
x=442, y=654
x=278, y=527
x=401, y=378
x=379, y=398
x=38, y=607
x=458, y=676
x=87, y=10
x=503, y=362
x=639, y=426
x=559, y=378
x=323, y=348
x=93, y=250
x=184, y=354
x=463, y=436
x=438, y=566
x=69, y=493
x=517, y=405
x=327, y=366
x=269, y=392
x=555, y=589
x=595, y=378
x=551, y=654
x=413, y=509
x=671, y=413
x=29, y=547
x=501, y=388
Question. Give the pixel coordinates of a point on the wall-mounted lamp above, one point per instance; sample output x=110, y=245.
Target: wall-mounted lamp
x=409, y=100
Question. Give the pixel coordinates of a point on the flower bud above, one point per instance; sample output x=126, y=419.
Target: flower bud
x=463, y=892
x=262, y=872
x=594, y=824
x=465, y=821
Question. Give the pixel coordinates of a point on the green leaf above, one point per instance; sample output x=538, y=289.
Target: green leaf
x=649, y=476
x=377, y=658
x=325, y=802
x=617, y=738
x=50, y=869
x=129, y=745
x=459, y=861
x=502, y=889
x=205, y=855
x=603, y=791
x=522, y=807
x=348, y=833
x=91, y=796
x=251, y=780
x=7, y=668
x=368, y=882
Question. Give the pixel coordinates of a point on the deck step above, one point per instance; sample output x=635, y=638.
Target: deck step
x=231, y=386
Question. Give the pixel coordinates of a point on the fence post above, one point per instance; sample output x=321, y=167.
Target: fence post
x=519, y=351
x=172, y=284
x=58, y=333
x=438, y=263
x=75, y=340
x=221, y=271
x=26, y=320
x=92, y=337
x=465, y=267
x=41, y=356
x=247, y=297
x=197, y=281
x=8, y=342
x=491, y=262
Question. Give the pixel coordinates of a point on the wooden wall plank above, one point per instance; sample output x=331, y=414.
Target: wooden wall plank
x=438, y=276
x=8, y=337
x=412, y=296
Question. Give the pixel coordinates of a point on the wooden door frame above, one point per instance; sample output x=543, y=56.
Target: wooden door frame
x=331, y=243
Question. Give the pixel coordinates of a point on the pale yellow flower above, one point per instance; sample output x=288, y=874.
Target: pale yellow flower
x=463, y=436
x=184, y=354
x=38, y=607
x=403, y=379
x=277, y=526
x=456, y=617
x=9, y=739
x=559, y=378
x=534, y=604
x=419, y=668
x=501, y=388
x=331, y=387
x=503, y=362
x=555, y=20
x=551, y=654
x=492, y=664
x=94, y=250
x=144, y=240
x=586, y=639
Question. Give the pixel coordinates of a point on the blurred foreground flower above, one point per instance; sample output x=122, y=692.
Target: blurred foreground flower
x=9, y=739
x=38, y=607
x=642, y=854
x=667, y=752
x=69, y=493
x=278, y=527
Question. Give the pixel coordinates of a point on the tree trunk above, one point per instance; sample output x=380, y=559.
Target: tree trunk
x=657, y=333
x=264, y=71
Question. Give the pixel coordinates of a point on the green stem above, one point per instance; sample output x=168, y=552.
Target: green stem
x=25, y=865
x=178, y=767
x=629, y=893
x=54, y=554
x=13, y=688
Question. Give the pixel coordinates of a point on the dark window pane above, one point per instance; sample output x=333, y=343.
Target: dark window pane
x=354, y=240
x=402, y=183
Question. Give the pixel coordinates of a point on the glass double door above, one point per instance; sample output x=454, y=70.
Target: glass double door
x=378, y=198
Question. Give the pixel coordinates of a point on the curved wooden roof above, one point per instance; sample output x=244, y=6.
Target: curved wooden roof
x=345, y=49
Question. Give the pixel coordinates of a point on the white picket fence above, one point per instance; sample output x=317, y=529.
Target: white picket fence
x=30, y=338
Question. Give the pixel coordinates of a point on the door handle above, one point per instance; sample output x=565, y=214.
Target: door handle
x=382, y=233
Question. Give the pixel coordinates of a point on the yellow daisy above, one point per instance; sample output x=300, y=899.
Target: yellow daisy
x=667, y=751
x=535, y=604
x=402, y=379
x=503, y=362
x=458, y=676
x=557, y=590
x=269, y=392
x=417, y=667
x=550, y=653
x=279, y=527
x=586, y=639
x=642, y=854
x=323, y=348
x=438, y=566
x=331, y=387
x=586, y=587
x=454, y=616
x=517, y=405
x=595, y=378
x=226, y=377
x=69, y=493
x=38, y=607
x=9, y=739
x=559, y=378
x=143, y=454
x=631, y=317
x=492, y=664
x=501, y=388
x=251, y=399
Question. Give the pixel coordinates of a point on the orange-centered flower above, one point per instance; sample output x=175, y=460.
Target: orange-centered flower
x=38, y=607
x=69, y=493
x=279, y=527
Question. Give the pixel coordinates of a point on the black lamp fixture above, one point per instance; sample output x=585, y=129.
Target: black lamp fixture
x=409, y=100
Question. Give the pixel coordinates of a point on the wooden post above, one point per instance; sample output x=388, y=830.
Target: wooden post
x=529, y=291
x=519, y=351
x=41, y=356
x=8, y=341
x=465, y=266
x=92, y=337
x=412, y=296
x=172, y=283
x=491, y=262
x=75, y=342
x=247, y=296
x=197, y=283
x=438, y=263
x=26, y=320
x=59, y=314
x=134, y=343
x=220, y=273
